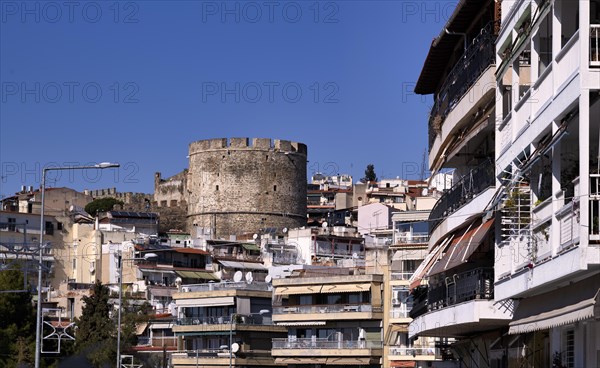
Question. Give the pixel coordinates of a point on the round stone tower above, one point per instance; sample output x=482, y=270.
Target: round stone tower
x=239, y=185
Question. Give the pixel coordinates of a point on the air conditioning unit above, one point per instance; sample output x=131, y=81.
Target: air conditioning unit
x=186, y=289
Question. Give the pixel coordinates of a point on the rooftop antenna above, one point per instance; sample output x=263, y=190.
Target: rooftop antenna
x=423, y=164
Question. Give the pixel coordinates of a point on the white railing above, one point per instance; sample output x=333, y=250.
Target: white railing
x=414, y=351
x=225, y=286
x=401, y=312
x=414, y=238
x=594, y=44
x=325, y=344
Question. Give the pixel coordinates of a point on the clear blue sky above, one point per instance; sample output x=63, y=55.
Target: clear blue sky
x=136, y=82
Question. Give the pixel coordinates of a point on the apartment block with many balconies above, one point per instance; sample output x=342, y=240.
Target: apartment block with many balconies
x=548, y=118
x=332, y=318
x=225, y=324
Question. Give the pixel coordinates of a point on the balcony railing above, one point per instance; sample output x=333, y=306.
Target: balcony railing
x=401, y=312
x=461, y=193
x=594, y=44
x=253, y=319
x=325, y=344
x=462, y=287
x=226, y=286
x=414, y=351
x=400, y=275
x=414, y=238
x=476, y=59
x=595, y=206
x=325, y=308
x=167, y=341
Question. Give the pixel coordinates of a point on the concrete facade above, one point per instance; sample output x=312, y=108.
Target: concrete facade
x=236, y=187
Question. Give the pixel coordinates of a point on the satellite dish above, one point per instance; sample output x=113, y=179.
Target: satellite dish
x=249, y=277
x=254, y=236
x=325, y=224
x=285, y=230
x=268, y=279
x=178, y=281
x=355, y=255
x=235, y=347
x=237, y=276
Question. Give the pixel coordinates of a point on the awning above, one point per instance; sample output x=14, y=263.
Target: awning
x=140, y=328
x=205, y=302
x=243, y=265
x=302, y=323
x=391, y=335
x=249, y=246
x=349, y=361
x=301, y=360
x=292, y=290
x=559, y=307
x=421, y=271
x=462, y=247
x=403, y=364
x=157, y=270
x=197, y=275
x=161, y=325
x=162, y=291
x=345, y=288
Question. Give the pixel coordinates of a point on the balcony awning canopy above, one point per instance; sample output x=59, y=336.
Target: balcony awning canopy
x=349, y=361
x=205, y=302
x=345, y=288
x=423, y=269
x=557, y=308
x=197, y=275
x=391, y=334
x=243, y=265
x=250, y=246
x=462, y=247
x=293, y=290
x=442, y=47
x=302, y=323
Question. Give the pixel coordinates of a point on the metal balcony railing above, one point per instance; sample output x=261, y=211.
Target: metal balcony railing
x=476, y=59
x=401, y=312
x=400, y=275
x=461, y=287
x=325, y=308
x=225, y=286
x=325, y=344
x=594, y=44
x=414, y=351
x=461, y=193
x=595, y=206
x=252, y=319
x=414, y=238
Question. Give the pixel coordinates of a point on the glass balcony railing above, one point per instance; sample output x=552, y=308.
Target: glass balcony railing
x=414, y=351
x=400, y=275
x=325, y=344
x=412, y=238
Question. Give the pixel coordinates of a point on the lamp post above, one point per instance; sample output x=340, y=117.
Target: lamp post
x=38, y=320
x=120, y=264
x=234, y=316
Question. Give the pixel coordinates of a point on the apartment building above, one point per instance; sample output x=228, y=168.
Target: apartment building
x=457, y=301
x=225, y=324
x=332, y=317
x=547, y=128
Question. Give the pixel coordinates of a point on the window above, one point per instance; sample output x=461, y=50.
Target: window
x=217, y=188
x=49, y=228
x=163, y=203
x=74, y=263
x=568, y=347
x=11, y=224
x=542, y=43
x=173, y=203
x=569, y=20
x=59, y=226
x=274, y=188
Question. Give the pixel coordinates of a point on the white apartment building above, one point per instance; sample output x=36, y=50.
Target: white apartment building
x=547, y=147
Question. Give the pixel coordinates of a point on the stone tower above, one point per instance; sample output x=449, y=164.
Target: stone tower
x=240, y=185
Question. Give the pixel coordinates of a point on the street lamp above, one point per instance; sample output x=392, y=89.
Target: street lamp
x=233, y=317
x=120, y=264
x=38, y=320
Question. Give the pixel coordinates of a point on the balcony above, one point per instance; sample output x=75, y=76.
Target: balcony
x=461, y=193
x=220, y=357
x=400, y=276
x=212, y=286
x=226, y=320
x=476, y=59
x=412, y=238
x=461, y=287
x=414, y=353
x=595, y=205
x=595, y=45
x=325, y=312
x=147, y=343
x=401, y=311
x=325, y=347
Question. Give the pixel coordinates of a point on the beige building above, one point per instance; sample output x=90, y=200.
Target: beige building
x=331, y=319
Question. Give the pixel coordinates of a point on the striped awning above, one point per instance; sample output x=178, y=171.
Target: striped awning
x=293, y=290
x=345, y=288
x=197, y=275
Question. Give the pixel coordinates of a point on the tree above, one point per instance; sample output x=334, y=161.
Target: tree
x=101, y=205
x=95, y=335
x=369, y=174
x=17, y=325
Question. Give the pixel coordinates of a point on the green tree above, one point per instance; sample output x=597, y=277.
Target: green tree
x=369, y=174
x=96, y=331
x=101, y=205
x=17, y=325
